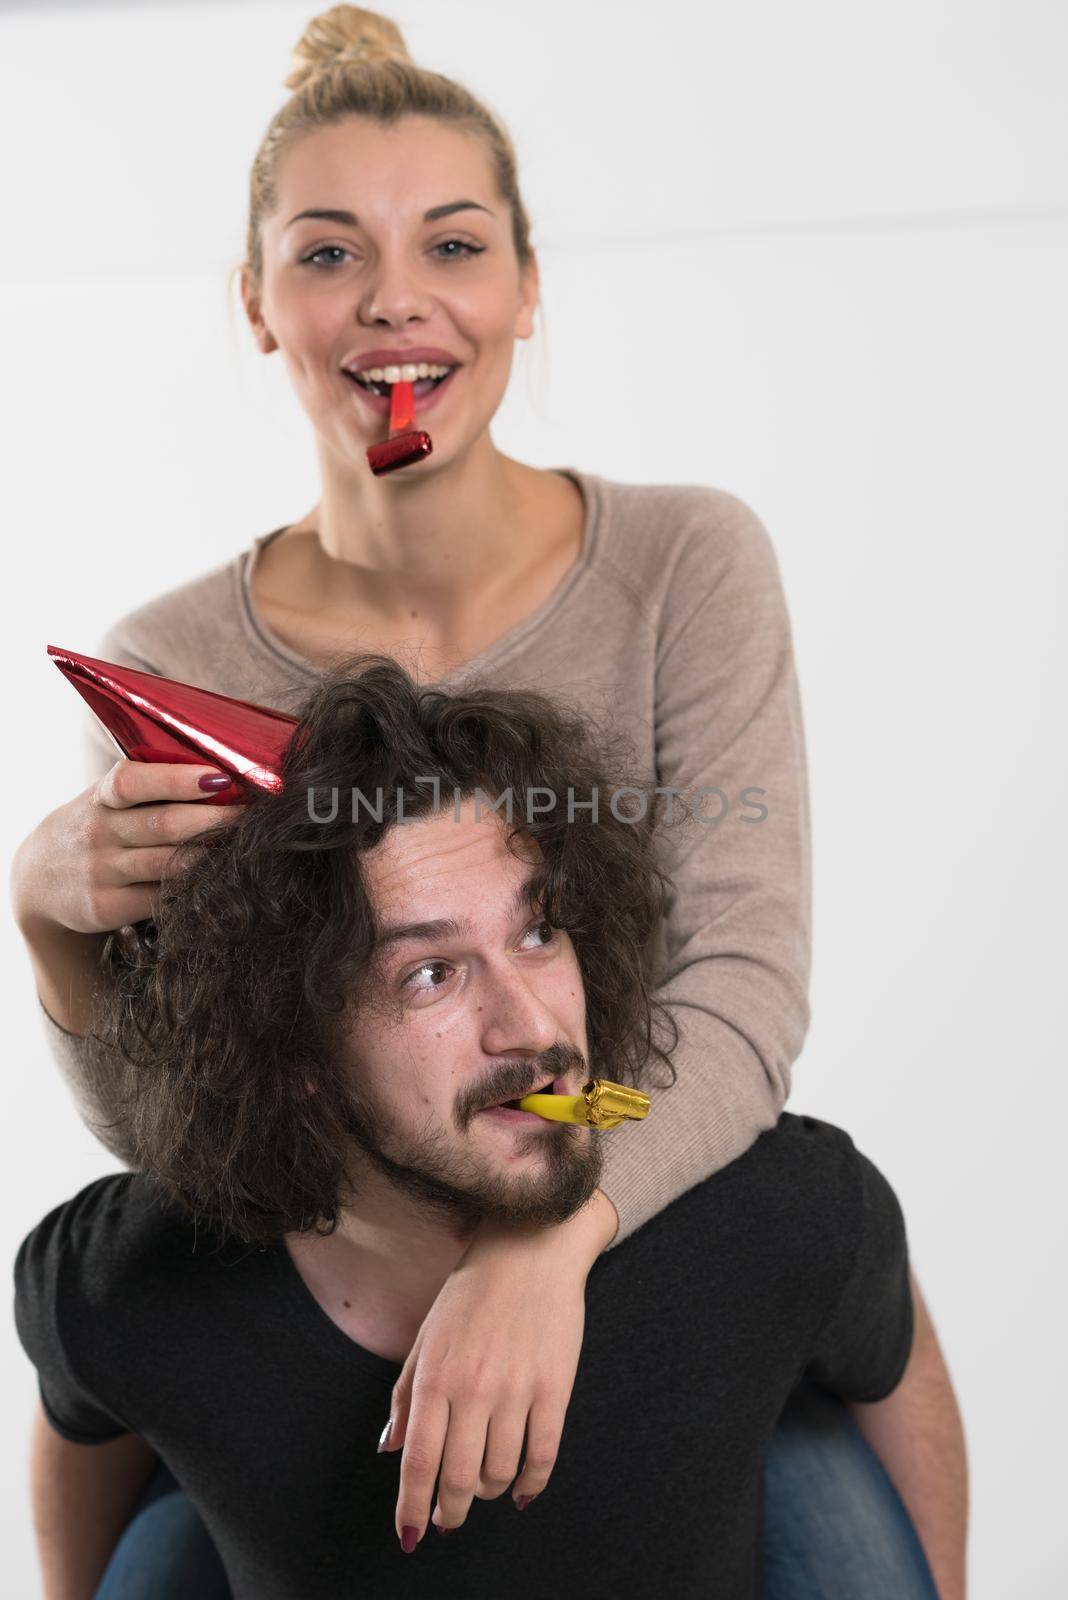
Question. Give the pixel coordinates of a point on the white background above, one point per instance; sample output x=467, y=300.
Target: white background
x=834, y=238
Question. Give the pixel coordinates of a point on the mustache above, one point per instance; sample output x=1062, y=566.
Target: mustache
x=513, y=1082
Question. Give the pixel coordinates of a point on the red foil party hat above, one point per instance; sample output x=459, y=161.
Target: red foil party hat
x=157, y=719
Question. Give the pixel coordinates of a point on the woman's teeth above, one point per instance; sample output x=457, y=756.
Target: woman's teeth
x=409, y=373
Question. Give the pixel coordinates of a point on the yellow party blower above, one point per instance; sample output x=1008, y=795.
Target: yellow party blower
x=600, y=1105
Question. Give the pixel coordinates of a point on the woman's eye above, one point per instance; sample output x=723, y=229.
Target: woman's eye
x=427, y=966
x=469, y=249
x=322, y=250
x=462, y=252
x=543, y=924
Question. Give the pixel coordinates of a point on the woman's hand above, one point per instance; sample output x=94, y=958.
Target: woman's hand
x=95, y=864
x=496, y=1355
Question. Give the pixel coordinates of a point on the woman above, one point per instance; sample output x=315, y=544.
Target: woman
x=385, y=228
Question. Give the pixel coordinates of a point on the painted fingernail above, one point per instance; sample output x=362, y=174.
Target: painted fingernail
x=384, y=1436
x=409, y=1538
x=213, y=781
x=523, y=1501
x=440, y=1529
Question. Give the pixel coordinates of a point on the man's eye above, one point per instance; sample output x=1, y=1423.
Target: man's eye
x=543, y=924
x=426, y=966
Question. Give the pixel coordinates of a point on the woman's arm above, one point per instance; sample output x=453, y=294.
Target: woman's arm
x=93, y=865
x=83, y=1496
x=737, y=942
x=737, y=935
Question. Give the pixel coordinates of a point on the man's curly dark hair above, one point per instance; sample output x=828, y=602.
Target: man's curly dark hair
x=229, y=1008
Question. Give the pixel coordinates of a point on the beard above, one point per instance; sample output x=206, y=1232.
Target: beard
x=447, y=1178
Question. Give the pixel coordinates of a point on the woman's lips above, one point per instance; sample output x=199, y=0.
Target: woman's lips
x=380, y=402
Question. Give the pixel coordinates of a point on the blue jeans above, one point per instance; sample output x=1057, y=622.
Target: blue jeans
x=834, y=1526
x=165, y=1552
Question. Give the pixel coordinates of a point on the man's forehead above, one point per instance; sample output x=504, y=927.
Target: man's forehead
x=413, y=858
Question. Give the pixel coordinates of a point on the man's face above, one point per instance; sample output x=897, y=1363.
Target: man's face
x=459, y=1020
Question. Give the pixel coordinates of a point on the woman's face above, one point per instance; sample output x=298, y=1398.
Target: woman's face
x=378, y=275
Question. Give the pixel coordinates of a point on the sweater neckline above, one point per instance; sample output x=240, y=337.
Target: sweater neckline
x=498, y=650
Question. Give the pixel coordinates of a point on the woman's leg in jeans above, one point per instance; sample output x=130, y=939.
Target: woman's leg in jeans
x=835, y=1527
x=165, y=1552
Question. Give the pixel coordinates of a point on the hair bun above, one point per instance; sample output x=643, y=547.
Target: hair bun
x=344, y=34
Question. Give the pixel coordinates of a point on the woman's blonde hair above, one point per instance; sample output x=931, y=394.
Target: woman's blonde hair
x=352, y=62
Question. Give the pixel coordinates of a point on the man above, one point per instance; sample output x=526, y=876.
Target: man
x=338, y=990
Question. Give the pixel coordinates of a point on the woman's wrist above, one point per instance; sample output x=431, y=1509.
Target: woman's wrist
x=581, y=1238
x=65, y=965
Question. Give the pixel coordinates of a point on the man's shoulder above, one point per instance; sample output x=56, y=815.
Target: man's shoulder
x=801, y=1159
x=102, y=1238
x=799, y=1185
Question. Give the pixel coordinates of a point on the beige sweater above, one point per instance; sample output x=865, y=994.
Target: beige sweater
x=672, y=623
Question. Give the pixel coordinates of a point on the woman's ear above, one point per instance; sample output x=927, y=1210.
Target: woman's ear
x=529, y=286
x=250, y=300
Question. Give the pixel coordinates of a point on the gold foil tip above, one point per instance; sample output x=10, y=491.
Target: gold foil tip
x=600, y=1105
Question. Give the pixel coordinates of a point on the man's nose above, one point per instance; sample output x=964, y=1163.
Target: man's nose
x=514, y=1017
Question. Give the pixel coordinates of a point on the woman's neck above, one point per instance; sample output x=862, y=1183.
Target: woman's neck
x=428, y=544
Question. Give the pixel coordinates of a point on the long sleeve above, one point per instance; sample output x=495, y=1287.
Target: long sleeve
x=91, y=1072
x=737, y=935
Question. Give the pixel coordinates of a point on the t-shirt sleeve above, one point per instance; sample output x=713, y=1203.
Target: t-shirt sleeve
x=864, y=1344
x=47, y=1311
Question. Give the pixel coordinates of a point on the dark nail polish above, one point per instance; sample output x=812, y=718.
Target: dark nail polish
x=440, y=1529
x=213, y=782
x=409, y=1538
x=523, y=1501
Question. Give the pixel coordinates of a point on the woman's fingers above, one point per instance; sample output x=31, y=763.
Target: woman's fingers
x=428, y=1423
x=545, y=1425
x=143, y=867
x=170, y=823
x=500, y=1463
x=462, y=1463
x=134, y=903
x=82, y=868
x=133, y=783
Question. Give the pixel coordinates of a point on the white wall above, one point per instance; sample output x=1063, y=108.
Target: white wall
x=840, y=232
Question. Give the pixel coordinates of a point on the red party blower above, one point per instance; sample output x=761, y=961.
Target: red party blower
x=157, y=719
x=405, y=443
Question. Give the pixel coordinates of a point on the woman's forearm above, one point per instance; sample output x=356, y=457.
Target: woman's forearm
x=583, y=1236
x=83, y=1497
x=65, y=966
x=64, y=959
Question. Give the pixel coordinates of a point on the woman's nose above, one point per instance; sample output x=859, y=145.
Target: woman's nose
x=394, y=294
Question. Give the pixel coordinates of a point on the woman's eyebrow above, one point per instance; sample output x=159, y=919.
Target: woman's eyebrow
x=348, y=219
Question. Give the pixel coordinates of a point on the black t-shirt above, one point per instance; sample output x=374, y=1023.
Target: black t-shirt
x=789, y=1263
